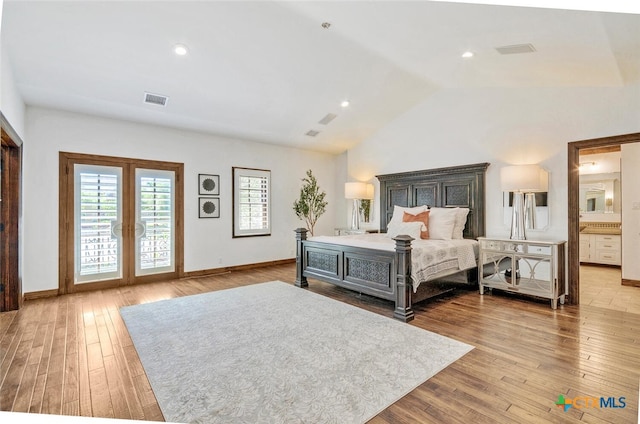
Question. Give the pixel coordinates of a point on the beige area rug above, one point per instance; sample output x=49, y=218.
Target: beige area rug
x=275, y=353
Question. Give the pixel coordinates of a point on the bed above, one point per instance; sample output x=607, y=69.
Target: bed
x=381, y=265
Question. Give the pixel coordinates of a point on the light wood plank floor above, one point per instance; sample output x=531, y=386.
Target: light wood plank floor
x=72, y=355
x=601, y=286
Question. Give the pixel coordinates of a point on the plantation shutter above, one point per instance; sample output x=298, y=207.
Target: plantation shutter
x=154, y=228
x=98, y=217
x=252, y=209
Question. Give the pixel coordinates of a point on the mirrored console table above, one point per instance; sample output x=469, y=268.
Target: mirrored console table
x=527, y=267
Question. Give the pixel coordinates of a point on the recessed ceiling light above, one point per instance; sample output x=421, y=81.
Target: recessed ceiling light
x=345, y=103
x=180, y=49
x=467, y=55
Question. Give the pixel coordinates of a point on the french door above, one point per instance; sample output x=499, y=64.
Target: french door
x=120, y=221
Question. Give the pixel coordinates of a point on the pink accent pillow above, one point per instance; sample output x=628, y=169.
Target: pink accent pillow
x=421, y=217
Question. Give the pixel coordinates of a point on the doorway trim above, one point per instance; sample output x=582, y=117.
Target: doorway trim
x=10, y=211
x=573, y=159
x=66, y=243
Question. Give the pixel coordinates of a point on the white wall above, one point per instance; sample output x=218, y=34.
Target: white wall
x=503, y=126
x=630, y=211
x=208, y=242
x=11, y=103
x=342, y=204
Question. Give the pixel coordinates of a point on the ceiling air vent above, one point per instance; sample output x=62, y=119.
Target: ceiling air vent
x=155, y=99
x=516, y=49
x=330, y=117
x=312, y=133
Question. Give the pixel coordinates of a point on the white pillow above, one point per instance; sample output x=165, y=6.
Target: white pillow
x=412, y=229
x=442, y=222
x=461, y=222
x=398, y=212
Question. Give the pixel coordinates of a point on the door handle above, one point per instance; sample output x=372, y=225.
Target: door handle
x=140, y=229
x=116, y=229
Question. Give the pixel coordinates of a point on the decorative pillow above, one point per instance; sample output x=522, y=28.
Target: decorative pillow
x=441, y=223
x=421, y=217
x=412, y=229
x=398, y=212
x=461, y=222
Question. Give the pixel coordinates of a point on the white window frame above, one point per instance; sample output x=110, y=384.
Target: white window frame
x=242, y=227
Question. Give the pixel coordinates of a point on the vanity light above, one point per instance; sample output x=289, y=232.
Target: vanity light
x=180, y=49
x=608, y=202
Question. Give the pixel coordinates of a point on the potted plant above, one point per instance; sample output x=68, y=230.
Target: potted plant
x=311, y=204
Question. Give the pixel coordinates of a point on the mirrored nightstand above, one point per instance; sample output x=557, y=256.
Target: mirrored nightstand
x=524, y=266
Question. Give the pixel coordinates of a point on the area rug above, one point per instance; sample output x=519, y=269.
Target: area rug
x=275, y=353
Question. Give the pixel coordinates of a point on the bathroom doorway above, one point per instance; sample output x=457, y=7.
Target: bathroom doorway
x=575, y=150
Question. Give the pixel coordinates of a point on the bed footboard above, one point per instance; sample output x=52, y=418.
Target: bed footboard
x=382, y=274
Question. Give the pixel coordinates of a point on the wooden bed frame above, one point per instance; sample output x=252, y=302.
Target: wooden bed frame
x=386, y=274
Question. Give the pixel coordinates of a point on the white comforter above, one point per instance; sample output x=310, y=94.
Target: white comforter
x=429, y=258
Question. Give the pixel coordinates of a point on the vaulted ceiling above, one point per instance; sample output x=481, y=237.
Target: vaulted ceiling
x=269, y=71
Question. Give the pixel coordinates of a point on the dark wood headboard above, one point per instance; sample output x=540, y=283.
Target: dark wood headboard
x=455, y=186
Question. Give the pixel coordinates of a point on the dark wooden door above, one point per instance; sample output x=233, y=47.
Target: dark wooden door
x=10, y=177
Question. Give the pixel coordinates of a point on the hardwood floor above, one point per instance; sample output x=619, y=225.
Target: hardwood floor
x=72, y=355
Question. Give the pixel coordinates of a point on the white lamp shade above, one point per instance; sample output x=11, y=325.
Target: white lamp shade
x=524, y=178
x=357, y=190
x=369, y=192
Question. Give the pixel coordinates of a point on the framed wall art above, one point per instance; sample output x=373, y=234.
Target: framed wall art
x=208, y=185
x=209, y=207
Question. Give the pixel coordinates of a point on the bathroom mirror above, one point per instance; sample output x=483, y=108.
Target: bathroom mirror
x=599, y=193
x=594, y=200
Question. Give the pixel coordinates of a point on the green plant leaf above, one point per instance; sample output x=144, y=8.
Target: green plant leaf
x=311, y=204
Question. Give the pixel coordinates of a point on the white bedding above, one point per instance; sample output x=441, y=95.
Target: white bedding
x=429, y=258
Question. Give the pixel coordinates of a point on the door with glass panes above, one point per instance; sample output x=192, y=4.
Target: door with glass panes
x=120, y=221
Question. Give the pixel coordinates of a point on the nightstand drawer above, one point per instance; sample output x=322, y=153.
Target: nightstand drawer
x=491, y=245
x=501, y=246
x=348, y=231
x=539, y=249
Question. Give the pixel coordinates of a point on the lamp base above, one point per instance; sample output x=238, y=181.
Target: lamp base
x=517, y=217
x=355, y=215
